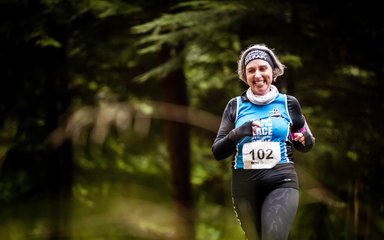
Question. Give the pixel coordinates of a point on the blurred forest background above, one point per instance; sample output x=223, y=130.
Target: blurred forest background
x=108, y=109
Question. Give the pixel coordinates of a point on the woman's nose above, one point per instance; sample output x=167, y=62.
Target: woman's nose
x=257, y=74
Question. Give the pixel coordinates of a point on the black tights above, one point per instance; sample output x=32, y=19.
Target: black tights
x=268, y=218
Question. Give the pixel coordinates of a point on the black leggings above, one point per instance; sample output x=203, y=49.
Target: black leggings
x=267, y=217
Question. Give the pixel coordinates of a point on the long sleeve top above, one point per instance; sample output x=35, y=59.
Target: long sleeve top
x=274, y=139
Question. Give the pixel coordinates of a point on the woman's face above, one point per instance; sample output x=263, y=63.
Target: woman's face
x=259, y=76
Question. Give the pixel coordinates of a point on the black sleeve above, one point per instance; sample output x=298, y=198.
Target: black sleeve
x=299, y=124
x=222, y=146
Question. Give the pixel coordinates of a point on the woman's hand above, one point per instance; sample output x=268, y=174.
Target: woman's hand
x=254, y=126
x=299, y=137
x=247, y=129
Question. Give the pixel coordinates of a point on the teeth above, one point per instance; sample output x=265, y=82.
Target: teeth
x=258, y=83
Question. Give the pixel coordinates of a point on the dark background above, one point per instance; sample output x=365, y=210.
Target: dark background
x=108, y=110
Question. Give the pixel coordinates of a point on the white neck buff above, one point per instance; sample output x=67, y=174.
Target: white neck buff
x=265, y=99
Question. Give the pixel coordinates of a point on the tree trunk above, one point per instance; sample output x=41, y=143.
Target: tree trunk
x=59, y=159
x=178, y=141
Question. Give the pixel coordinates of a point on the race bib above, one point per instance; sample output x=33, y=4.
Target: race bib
x=261, y=155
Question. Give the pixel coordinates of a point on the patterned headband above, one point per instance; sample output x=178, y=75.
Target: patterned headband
x=258, y=54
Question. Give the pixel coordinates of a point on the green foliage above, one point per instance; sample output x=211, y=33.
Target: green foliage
x=201, y=18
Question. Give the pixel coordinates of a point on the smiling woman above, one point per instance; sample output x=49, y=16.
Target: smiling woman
x=260, y=128
x=262, y=52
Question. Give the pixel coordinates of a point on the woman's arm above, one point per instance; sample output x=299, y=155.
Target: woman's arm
x=301, y=134
x=223, y=146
